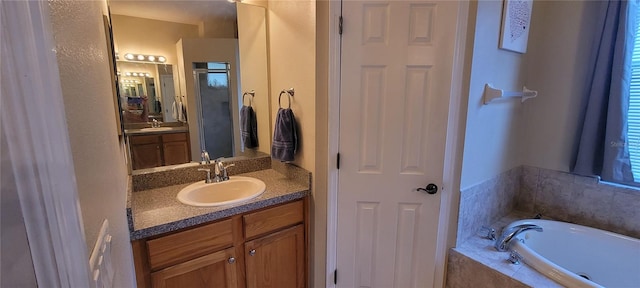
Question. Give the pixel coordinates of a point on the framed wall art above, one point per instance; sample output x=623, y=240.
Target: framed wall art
x=516, y=21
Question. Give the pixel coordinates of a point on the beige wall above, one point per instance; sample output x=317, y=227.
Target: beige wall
x=292, y=47
x=99, y=163
x=202, y=50
x=492, y=140
x=292, y=60
x=218, y=28
x=562, y=34
x=150, y=37
x=252, y=46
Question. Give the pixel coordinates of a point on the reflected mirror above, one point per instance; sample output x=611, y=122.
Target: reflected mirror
x=185, y=69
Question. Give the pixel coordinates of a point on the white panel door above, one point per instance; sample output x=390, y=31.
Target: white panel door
x=396, y=80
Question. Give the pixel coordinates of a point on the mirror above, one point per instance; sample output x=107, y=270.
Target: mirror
x=164, y=52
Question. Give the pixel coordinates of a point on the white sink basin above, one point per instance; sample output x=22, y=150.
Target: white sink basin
x=234, y=190
x=158, y=129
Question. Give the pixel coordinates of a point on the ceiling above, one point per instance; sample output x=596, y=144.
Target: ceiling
x=187, y=12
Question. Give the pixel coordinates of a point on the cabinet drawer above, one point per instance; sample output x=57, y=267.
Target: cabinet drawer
x=182, y=246
x=174, y=137
x=145, y=139
x=269, y=220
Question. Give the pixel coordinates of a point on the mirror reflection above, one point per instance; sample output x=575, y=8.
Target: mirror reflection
x=183, y=67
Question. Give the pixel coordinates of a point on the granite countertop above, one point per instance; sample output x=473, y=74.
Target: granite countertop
x=155, y=211
x=161, y=130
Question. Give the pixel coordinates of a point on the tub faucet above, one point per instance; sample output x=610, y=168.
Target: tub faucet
x=503, y=243
x=221, y=170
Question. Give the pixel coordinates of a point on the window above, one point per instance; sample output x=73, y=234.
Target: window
x=633, y=120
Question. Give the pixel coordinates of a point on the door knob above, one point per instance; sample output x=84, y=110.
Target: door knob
x=431, y=188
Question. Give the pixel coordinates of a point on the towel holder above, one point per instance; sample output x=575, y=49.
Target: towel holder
x=491, y=93
x=290, y=92
x=251, y=93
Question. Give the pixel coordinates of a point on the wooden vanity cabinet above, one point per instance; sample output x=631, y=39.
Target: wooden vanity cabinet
x=148, y=151
x=212, y=270
x=276, y=260
x=265, y=248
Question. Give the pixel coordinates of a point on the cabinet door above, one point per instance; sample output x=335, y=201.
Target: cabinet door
x=277, y=260
x=176, y=153
x=214, y=270
x=146, y=155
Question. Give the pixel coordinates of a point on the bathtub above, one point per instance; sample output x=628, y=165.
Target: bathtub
x=570, y=254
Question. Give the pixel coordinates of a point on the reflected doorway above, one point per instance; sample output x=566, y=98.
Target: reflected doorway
x=213, y=97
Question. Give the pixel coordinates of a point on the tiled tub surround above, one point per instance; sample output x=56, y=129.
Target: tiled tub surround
x=522, y=193
x=580, y=200
x=558, y=195
x=154, y=211
x=476, y=263
x=487, y=202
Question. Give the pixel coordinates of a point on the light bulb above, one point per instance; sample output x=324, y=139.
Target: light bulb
x=129, y=56
x=162, y=59
x=127, y=74
x=134, y=74
x=140, y=57
x=152, y=58
x=148, y=75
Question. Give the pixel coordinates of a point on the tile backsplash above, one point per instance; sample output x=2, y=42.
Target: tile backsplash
x=554, y=194
x=486, y=202
x=581, y=200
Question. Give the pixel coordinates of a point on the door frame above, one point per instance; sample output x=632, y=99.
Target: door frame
x=448, y=218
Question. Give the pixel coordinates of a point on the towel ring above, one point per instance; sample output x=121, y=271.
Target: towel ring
x=252, y=94
x=289, y=92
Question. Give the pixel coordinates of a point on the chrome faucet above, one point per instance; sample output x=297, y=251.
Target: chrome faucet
x=221, y=170
x=205, y=157
x=208, y=180
x=503, y=243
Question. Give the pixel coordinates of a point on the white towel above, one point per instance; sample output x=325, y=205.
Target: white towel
x=181, y=116
x=174, y=110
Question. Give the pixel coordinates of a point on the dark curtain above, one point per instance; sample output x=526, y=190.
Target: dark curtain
x=603, y=145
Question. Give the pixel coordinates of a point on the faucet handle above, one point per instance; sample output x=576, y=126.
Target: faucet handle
x=489, y=232
x=208, y=180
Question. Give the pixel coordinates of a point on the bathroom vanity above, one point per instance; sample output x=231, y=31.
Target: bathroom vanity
x=261, y=242
x=155, y=147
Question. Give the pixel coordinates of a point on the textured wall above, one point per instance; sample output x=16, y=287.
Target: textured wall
x=99, y=163
x=492, y=140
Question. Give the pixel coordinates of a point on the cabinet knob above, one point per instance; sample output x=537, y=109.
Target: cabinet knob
x=231, y=260
x=252, y=252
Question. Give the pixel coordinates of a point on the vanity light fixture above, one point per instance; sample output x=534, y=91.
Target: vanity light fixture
x=137, y=74
x=144, y=58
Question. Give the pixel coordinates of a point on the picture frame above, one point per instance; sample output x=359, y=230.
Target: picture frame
x=516, y=23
